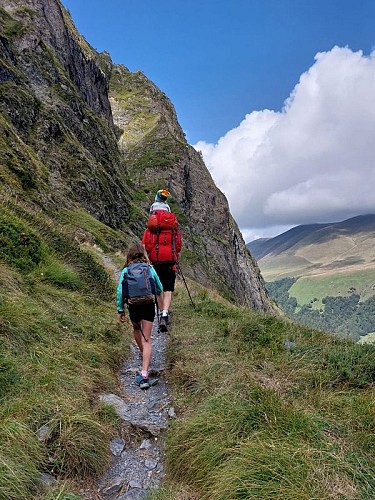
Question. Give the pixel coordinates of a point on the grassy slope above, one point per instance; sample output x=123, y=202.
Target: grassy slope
x=60, y=346
x=326, y=268
x=259, y=420
x=342, y=284
x=352, y=253
x=255, y=419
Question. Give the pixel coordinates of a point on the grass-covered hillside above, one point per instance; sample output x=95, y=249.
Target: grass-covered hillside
x=265, y=408
x=60, y=346
x=324, y=274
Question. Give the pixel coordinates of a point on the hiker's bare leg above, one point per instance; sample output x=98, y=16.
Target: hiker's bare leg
x=160, y=301
x=167, y=297
x=146, y=346
x=138, y=337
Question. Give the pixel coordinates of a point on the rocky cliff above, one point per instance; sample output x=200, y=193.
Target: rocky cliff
x=77, y=131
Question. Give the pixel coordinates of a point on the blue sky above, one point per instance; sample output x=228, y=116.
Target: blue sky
x=224, y=62
x=220, y=59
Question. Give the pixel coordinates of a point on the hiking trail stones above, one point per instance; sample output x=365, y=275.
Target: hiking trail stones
x=138, y=460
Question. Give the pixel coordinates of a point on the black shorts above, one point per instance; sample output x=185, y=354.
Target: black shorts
x=144, y=311
x=167, y=275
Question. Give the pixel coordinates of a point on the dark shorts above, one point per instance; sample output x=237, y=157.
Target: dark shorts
x=145, y=311
x=167, y=275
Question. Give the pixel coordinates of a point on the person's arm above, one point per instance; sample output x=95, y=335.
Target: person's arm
x=159, y=286
x=119, y=299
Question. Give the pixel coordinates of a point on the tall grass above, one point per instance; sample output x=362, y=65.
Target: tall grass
x=266, y=408
x=60, y=346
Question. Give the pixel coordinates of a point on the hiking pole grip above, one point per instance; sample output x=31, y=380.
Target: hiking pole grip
x=183, y=278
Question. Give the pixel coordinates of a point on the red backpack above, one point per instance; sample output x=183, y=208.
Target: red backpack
x=162, y=238
x=161, y=219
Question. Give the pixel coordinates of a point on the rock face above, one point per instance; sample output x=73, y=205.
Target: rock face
x=157, y=155
x=61, y=146
x=60, y=142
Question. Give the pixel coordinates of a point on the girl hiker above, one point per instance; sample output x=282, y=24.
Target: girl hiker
x=137, y=287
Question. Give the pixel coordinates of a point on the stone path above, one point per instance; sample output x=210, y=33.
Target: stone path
x=138, y=454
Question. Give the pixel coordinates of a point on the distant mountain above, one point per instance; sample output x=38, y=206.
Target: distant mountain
x=323, y=275
x=309, y=249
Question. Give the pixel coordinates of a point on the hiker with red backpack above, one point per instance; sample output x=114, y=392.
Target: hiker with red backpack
x=138, y=285
x=163, y=243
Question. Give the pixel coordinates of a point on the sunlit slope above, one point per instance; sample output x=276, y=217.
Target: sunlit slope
x=319, y=249
x=334, y=284
x=336, y=259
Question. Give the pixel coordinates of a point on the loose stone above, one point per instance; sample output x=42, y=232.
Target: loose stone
x=116, y=446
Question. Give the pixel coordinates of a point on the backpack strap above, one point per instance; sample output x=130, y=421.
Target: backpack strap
x=174, y=253
x=157, y=244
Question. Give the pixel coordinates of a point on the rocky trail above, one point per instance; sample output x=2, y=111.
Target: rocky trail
x=138, y=453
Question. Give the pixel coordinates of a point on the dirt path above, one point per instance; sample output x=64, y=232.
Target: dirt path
x=138, y=453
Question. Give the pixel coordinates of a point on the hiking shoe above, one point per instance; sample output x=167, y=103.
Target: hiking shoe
x=138, y=379
x=144, y=384
x=163, y=325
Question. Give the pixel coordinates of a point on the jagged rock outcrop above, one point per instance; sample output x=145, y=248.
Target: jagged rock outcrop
x=60, y=146
x=59, y=143
x=157, y=154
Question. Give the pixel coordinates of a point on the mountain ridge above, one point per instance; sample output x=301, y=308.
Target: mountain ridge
x=310, y=233
x=323, y=275
x=62, y=149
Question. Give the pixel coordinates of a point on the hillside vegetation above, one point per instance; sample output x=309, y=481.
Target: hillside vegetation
x=323, y=275
x=266, y=408
x=60, y=345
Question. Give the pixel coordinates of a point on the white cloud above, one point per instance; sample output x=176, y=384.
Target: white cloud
x=312, y=162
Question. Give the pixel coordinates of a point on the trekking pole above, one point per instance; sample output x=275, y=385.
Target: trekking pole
x=157, y=313
x=140, y=328
x=183, y=277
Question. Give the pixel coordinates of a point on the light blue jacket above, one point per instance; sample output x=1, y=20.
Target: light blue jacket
x=120, y=302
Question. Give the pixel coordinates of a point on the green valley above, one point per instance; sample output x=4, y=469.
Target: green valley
x=323, y=275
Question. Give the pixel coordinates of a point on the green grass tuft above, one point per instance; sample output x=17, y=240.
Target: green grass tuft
x=266, y=408
x=20, y=247
x=59, y=275
x=20, y=453
x=77, y=445
x=60, y=347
